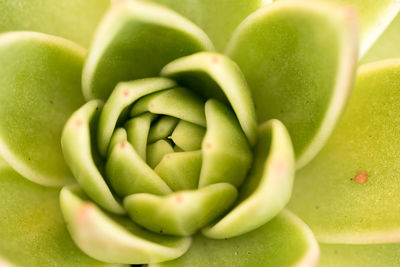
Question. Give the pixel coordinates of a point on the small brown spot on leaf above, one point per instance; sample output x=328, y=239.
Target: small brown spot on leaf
x=361, y=177
x=78, y=122
x=126, y=92
x=208, y=145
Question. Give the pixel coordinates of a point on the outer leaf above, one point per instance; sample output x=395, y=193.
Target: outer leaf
x=71, y=19
x=77, y=147
x=268, y=187
x=300, y=69
x=285, y=241
x=39, y=89
x=375, y=17
x=32, y=230
x=332, y=194
x=218, y=18
x=115, y=239
x=387, y=45
x=135, y=40
x=333, y=255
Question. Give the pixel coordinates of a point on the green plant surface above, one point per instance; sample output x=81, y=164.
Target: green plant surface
x=369, y=255
x=32, y=120
x=374, y=18
x=367, y=139
x=72, y=19
x=32, y=228
x=262, y=247
x=149, y=35
x=296, y=85
x=199, y=133
x=387, y=45
x=217, y=18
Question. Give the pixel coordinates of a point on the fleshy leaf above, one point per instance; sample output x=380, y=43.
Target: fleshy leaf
x=156, y=151
x=183, y=212
x=76, y=144
x=374, y=16
x=349, y=192
x=122, y=97
x=387, y=45
x=366, y=255
x=225, y=150
x=218, y=18
x=114, y=238
x=135, y=40
x=188, y=136
x=130, y=174
x=268, y=188
x=138, y=131
x=180, y=170
x=162, y=128
x=284, y=241
x=216, y=76
x=289, y=78
x=32, y=230
x=72, y=19
x=39, y=89
x=178, y=102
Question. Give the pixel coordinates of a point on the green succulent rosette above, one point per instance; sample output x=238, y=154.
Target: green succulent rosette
x=175, y=138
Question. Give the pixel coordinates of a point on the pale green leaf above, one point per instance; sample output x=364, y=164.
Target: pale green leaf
x=135, y=40
x=218, y=18
x=183, y=212
x=40, y=78
x=114, y=238
x=226, y=153
x=284, y=241
x=120, y=99
x=32, y=230
x=299, y=59
x=368, y=255
x=387, y=46
x=77, y=141
x=350, y=192
x=213, y=75
x=75, y=20
x=268, y=187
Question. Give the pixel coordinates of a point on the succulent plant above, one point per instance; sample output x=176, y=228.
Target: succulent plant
x=199, y=133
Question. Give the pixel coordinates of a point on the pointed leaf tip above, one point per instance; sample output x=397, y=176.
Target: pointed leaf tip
x=114, y=238
x=135, y=40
